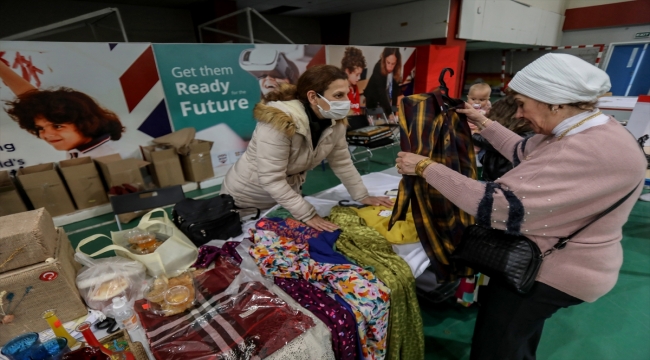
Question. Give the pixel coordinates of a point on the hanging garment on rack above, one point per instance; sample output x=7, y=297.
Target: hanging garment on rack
x=428, y=128
x=367, y=295
x=368, y=248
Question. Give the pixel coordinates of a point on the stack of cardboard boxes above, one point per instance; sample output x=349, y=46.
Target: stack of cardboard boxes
x=82, y=183
x=37, y=273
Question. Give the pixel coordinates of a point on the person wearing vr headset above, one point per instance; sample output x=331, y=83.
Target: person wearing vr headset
x=271, y=68
x=297, y=128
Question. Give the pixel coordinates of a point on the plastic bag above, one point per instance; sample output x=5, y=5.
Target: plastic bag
x=236, y=317
x=171, y=295
x=100, y=280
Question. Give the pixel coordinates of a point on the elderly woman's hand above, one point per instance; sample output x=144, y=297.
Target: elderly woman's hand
x=474, y=116
x=406, y=162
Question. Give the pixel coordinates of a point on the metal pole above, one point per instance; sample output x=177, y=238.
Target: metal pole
x=231, y=34
x=42, y=29
x=119, y=20
x=92, y=29
x=272, y=26
x=223, y=17
x=250, y=25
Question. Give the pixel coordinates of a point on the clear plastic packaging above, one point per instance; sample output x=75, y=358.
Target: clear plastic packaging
x=171, y=295
x=143, y=242
x=100, y=280
x=236, y=317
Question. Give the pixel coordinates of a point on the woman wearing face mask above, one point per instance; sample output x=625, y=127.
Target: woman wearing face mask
x=297, y=128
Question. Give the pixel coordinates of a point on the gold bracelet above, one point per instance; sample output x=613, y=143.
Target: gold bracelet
x=483, y=123
x=421, y=165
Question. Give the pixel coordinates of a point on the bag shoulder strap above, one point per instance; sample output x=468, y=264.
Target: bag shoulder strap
x=105, y=249
x=562, y=241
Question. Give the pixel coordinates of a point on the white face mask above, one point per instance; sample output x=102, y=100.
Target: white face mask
x=338, y=109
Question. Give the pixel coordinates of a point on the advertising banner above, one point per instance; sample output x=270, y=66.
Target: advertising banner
x=214, y=88
x=70, y=100
x=378, y=76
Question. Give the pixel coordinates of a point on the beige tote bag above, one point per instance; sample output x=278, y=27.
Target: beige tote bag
x=176, y=253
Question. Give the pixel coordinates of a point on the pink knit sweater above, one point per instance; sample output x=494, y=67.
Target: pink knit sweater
x=562, y=184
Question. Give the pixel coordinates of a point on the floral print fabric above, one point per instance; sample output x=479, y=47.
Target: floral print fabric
x=369, y=248
x=289, y=228
x=367, y=295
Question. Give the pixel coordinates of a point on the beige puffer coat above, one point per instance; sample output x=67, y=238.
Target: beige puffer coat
x=274, y=166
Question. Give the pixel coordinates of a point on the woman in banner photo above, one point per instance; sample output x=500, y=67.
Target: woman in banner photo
x=67, y=119
x=297, y=128
x=383, y=87
x=579, y=163
x=353, y=63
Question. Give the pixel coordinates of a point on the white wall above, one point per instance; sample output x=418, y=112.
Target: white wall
x=143, y=24
x=402, y=23
x=510, y=22
x=603, y=35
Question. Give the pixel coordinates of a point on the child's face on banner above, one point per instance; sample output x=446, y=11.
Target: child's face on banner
x=61, y=136
x=355, y=75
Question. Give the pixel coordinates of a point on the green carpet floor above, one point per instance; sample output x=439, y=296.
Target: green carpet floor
x=615, y=327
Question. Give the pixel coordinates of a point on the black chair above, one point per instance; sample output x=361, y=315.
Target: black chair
x=148, y=199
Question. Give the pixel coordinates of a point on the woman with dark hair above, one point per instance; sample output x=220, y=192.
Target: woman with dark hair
x=503, y=112
x=383, y=87
x=353, y=63
x=297, y=128
x=67, y=119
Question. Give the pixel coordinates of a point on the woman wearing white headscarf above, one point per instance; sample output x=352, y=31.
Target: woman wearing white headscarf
x=579, y=163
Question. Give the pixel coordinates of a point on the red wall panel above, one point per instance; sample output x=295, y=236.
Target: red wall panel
x=617, y=14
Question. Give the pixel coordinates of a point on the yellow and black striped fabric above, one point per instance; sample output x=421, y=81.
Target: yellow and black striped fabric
x=427, y=128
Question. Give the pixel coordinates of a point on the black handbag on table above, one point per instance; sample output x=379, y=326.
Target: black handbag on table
x=203, y=220
x=506, y=254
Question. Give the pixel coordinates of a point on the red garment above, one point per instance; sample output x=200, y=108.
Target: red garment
x=355, y=102
x=252, y=322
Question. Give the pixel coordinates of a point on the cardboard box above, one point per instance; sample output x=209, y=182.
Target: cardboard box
x=45, y=188
x=10, y=200
x=84, y=182
x=197, y=165
x=118, y=171
x=51, y=285
x=26, y=239
x=165, y=165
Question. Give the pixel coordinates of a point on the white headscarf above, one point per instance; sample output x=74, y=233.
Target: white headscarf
x=561, y=79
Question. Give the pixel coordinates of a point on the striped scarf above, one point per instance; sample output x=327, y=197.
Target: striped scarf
x=427, y=128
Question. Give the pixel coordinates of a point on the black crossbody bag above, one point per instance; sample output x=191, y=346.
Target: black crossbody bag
x=203, y=220
x=510, y=257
